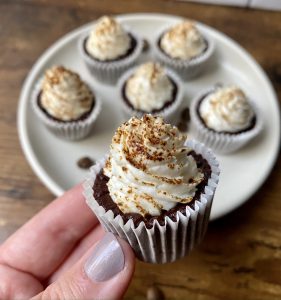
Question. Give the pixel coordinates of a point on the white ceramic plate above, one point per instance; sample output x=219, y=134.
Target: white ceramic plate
x=54, y=160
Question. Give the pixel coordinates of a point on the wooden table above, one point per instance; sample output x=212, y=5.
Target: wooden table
x=241, y=256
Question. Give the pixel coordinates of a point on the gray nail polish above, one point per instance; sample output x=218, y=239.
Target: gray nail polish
x=106, y=260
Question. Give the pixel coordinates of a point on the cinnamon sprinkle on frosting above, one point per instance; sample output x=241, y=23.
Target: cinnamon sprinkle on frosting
x=149, y=167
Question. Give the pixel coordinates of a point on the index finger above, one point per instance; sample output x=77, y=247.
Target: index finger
x=42, y=244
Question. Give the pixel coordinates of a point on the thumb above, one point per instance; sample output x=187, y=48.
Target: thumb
x=104, y=272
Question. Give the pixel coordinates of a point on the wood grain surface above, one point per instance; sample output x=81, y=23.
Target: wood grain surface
x=241, y=255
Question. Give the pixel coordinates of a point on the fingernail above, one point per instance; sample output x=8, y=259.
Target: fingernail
x=107, y=259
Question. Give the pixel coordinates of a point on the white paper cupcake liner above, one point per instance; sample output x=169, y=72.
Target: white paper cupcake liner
x=161, y=243
x=187, y=69
x=110, y=72
x=222, y=143
x=169, y=113
x=73, y=131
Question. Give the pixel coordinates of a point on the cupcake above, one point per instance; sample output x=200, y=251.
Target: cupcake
x=65, y=104
x=154, y=190
x=184, y=48
x=109, y=49
x=150, y=88
x=224, y=119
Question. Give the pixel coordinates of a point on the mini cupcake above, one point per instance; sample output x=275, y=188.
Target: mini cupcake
x=154, y=190
x=184, y=48
x=224, y=119
x=109, y=49
x=65, y=104
x=150, y=88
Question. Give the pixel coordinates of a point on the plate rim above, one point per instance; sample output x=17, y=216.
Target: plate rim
x=60, y=42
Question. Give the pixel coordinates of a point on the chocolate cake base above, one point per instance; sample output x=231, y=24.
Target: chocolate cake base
x=251, y=126
x=83, y=117
x=166, y=104
x=102, y=196
x=130, y=50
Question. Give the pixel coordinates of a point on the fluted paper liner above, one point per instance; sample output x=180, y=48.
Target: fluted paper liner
x=222, y=143
x=110, y=72
x=187, y=69
x=161, y=243
x=75, y=130
x=169, y=113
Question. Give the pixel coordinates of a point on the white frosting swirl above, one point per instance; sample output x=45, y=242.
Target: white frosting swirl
x=108, y=40
x=149, y=88
x=64, y=95
x=183, y=41
x=226, y=110
x=149, y=168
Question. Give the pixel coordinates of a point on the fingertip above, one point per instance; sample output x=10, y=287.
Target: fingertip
x=104, y=272
x=110, y=257
x=129, y=254
x=114, y=270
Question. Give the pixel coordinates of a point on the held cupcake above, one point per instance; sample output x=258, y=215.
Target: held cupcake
x=154, y=189
x=224, y=119
x=150, y=88
x=109, y=49
x=184, y=48
x=65, y=104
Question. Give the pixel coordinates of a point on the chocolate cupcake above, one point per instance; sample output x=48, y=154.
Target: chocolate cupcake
x=154, y=190
x=65, y=104
x=184, y=48
x=109, y=49
x=150, y=88
x=224, y=119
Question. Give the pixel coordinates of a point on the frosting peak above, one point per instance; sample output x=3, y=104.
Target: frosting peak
x=227, y=110
x=149, y=88
x=149, y=168
x=108, y=40
x=64, y=95
x=183, y=41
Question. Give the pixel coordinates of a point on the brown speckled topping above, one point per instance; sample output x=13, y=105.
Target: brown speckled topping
x=149, y=167
x=64, y=96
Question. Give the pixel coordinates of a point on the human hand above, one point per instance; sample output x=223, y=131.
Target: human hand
x=63, y=253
